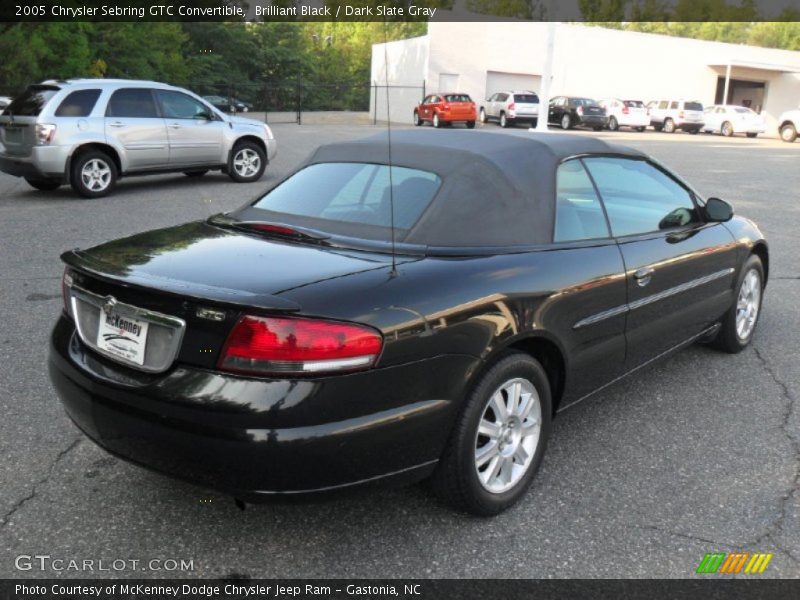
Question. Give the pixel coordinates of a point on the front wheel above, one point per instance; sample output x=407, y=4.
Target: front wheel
x=248, y=161
x=436, y=122
x=739, y=323
x=566, y=122
x=503, y=120
x=45, y=185
x=613, y=125
x=483, y=116
x=669, y=126
x=498, y=439
x=417, y=120
x=727, y=129
x=788, y=133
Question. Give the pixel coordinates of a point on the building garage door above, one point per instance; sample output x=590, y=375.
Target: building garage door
x=498, y=81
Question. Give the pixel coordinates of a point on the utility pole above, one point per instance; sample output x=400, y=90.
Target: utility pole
x=547, y=76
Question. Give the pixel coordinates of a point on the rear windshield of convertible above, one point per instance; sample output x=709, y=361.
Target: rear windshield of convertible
x=351, y=199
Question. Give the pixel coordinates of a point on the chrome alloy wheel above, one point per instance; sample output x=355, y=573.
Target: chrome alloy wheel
x=748, y=304
x=246, y=162
x=508, y=435
x=96, y=175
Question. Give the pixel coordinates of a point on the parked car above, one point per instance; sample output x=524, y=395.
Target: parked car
x=569, y=112
x=728, y=120
x=446, y=109
x=283, y=348
x=508, y=108
x=625, y=113
x=4, y=102
x=91, y=132
x=228, y=105
x=669, y=115
x=789, y=125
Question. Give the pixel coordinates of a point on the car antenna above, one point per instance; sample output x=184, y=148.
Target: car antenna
x=393, y=272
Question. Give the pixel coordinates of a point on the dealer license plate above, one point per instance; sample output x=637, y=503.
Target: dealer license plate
x=122, y=336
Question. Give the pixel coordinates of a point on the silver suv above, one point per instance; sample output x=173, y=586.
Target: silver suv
x=508, y=108
x=90, y=132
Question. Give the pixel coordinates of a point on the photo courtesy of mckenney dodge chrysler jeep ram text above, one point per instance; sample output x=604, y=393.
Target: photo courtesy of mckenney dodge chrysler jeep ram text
x=91, y=132
x=284, y=348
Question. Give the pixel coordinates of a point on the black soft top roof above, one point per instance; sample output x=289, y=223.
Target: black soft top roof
x=498, y=189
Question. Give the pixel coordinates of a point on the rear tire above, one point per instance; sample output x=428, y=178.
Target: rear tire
x=788, y=133
x=739, y=323
x=669, y=126
x=45, y=185
x=417, y=120
x=93, y=174
x=503, y=120
x=470, y=124
x=613, y=125
x=436, y=122
x=247, y=163
x=566, y=122
x=513, y=444
x=483, y=115
x=198, y=173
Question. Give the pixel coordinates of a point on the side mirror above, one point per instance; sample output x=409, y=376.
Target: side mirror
x=718, y=211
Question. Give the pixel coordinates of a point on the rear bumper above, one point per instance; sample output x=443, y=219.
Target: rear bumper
x=44, y=162
x=689, y=125
x=446, y=118
x=593, y=120
x=257, y=437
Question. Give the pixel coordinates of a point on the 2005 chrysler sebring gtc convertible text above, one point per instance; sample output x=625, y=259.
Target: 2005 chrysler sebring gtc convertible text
x=283, y=348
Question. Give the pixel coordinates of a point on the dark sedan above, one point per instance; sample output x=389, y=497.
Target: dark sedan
x=569, y=112
x=302, y=344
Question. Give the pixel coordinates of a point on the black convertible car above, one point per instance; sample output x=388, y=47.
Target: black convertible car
x=303, y=344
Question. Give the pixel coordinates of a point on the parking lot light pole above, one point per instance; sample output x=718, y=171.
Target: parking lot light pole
x=547, y=75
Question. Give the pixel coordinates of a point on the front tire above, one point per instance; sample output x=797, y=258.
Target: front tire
x=436, y=122
x=613, y=125
x=93, y=174
x=417, y=120
x=727, y=129
x=45, y=185
x=248, y=161
x=669, y=126
x=498, y=439
x=503, y=120
x=739, y=323
x=566, y=122
x=788, y=133
x=483, y=116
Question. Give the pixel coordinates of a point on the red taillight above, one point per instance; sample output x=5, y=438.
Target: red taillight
x=580, y=110
x=279, y=229
x=276, y=345
x=512, y=106
x=66, y=285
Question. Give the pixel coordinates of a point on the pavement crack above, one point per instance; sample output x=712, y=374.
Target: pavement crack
x=19, y=504
x=786, y=417
x=688, y=536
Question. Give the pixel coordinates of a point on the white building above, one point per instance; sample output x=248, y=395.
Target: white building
x=482, y=58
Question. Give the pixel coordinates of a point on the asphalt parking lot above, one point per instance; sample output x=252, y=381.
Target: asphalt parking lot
x=697, y=454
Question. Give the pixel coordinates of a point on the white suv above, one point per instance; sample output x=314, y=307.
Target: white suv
x=789, y=125
x=669, y=115
x=625, y=113
x=90, y=132
x=508, y=108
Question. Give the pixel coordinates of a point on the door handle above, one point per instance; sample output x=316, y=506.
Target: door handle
x=643, y=276
x=116, y=124
x=175, y=125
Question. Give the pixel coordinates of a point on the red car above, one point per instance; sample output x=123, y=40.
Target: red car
x=444, y=109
